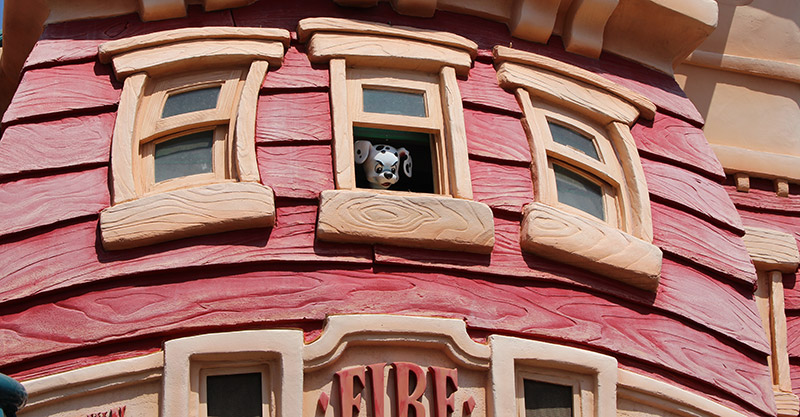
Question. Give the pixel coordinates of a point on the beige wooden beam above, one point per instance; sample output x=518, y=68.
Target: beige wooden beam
x=585, y=23
x=771, y=250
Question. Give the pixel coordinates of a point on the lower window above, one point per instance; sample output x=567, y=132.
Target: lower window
x=240, y=392
x=554, y=393
x=543, y=399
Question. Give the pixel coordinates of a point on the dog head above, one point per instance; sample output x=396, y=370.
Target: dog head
x=381, y=163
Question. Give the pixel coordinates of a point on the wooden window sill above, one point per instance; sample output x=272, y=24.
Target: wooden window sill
x=404, y=219
x=187, y=212
x=590, y=244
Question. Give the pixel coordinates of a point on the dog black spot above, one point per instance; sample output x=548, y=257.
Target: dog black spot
x=358, y=151
x=379, y=147
x=383, y=150
x=395, y=154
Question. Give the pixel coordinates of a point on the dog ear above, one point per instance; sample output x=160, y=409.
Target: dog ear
x=407, y=163
x=361, y=149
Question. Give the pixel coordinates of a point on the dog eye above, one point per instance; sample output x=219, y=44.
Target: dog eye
x=379, y=167
x=394, y=168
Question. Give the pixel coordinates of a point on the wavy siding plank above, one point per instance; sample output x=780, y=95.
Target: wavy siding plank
x=35, y=202
x=62, y=143
x=296, y=171
x=274, y=296
x=758, y=200
x=293, y=117
x=296, y=72
x=502, y=187
x=496, y=136
x=693, y=192
x=481, y=88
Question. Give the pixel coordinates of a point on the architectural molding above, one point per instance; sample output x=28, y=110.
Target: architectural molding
x=772, y=250
x=759, y=67
x=585, y=24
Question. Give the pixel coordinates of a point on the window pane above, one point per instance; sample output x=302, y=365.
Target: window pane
x=573, y=139
x=547, y=400
x=190, y=101
x=577, y=191
x=185, y=155
x=394, y=102
x=234, y=395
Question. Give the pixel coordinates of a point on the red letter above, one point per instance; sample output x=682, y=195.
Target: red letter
x=404, y=399
x=442, y=403
x=378, y=387
x=346, y=388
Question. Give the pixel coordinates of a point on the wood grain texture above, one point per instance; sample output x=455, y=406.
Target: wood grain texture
x=772, y=250
x=124, y=147
x=386, y=52
x=481, y=88
x=675, y=140
x=693, y=192
x=592, y=245
x=496, y=136
x=168, y=303
x=585, y=99
x=51, y=52
x=187, y=212
x=72, y=255
x=62, y=89
x=793, y=334
x=296, y=171
x=698, y=241
x=296, y=72
x=758, y=200
x=502, y=187
x=405, y=219
x=35, y=202
x=62, y=143
x=456, y=135
x=293, y=117
x=245, y=138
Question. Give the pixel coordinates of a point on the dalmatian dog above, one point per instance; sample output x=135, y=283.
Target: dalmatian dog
x=381, y=162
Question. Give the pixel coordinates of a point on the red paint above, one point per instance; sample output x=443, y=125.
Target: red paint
x=481, y=88
x=114, y=412
x=35, y=202
x=296, y=72
x=763, y=200
x=67, y=88
x=378, y=385
x=496, y=136
x=677, y=141
x=502, y=187
x=405, y=399
x=348, y=399
x=443, y=378
x=293, y=117
x=296, y=171
x=68, y=142
x=692, y=192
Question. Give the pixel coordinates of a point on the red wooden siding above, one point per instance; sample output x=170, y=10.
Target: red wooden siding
x=296, y=72
x=502, y=187
x=481, y=88
x=296, y=171
x=293, y=117
x=496, y=136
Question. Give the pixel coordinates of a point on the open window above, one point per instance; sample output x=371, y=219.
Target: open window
x=184, y=139
x=591, y=206
x=400, y=157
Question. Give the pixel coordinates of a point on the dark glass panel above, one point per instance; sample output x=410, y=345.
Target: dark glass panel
x=573, y=139
x=234, y=395
x=547, y=400
x=191, y=101
x=185, y=155
x=578, y=191
x=394, y=102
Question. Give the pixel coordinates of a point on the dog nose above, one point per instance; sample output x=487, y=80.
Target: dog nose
x=387, y=175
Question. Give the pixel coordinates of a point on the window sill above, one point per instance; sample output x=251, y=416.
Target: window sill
x=591, y=245
x=187, y=212
x=404, y=219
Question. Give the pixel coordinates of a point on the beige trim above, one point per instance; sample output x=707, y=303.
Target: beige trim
x=758, y=163
x=590, y=244
x=584, y=26
x=533, y=20
x=340, y=331
x=512, y=355
x=671, y=399
x=405, y=219
x=504, y=54
x=456, y=133
x=124, y=147
x=311, y=25
x=245, y=161
x=161, y=9
x=787, y=403
x=742, y=182
x=162, y=217
x=343, y=166
x=771, y=250
x=280, y=350
x=110, y=375
x=638, y=213
x=785, y=71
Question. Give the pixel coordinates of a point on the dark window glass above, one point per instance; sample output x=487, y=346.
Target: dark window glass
x=547, y=400
x=191, y=101
x=418, y=146
x=578, y=191
x=573, y=139
x=234, y=395
x=185, y=155
x=394, y=102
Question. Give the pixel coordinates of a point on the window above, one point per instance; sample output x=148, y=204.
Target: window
x=591, y=205
x=394, y=90
x=234, y=392
x=547, y=399
x=184, y=138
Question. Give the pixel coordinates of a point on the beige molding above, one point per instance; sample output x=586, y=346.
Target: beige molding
x=279, y=350
x=245, y=129
x=788, y=404
x=311, y=25
x=591, y=245
x=405, y=219
x=533, y=20
x=742, y=182
x=584, y=26
x=502, y=54
x=772, y=250
x=150, y=10
x=758, y=163
x=95, y=378
x=785, y=71
x=448, y=334
x=669, y=398
x=124, y=145
x=187, y=212
x=456, y=131
x=511, y=355
x=781, y=187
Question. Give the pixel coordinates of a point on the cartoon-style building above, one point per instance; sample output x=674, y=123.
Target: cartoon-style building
x=410, y=208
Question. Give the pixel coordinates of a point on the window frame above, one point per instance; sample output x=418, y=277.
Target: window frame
x=152, y=66
x=234, y=368
x=582, y=388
